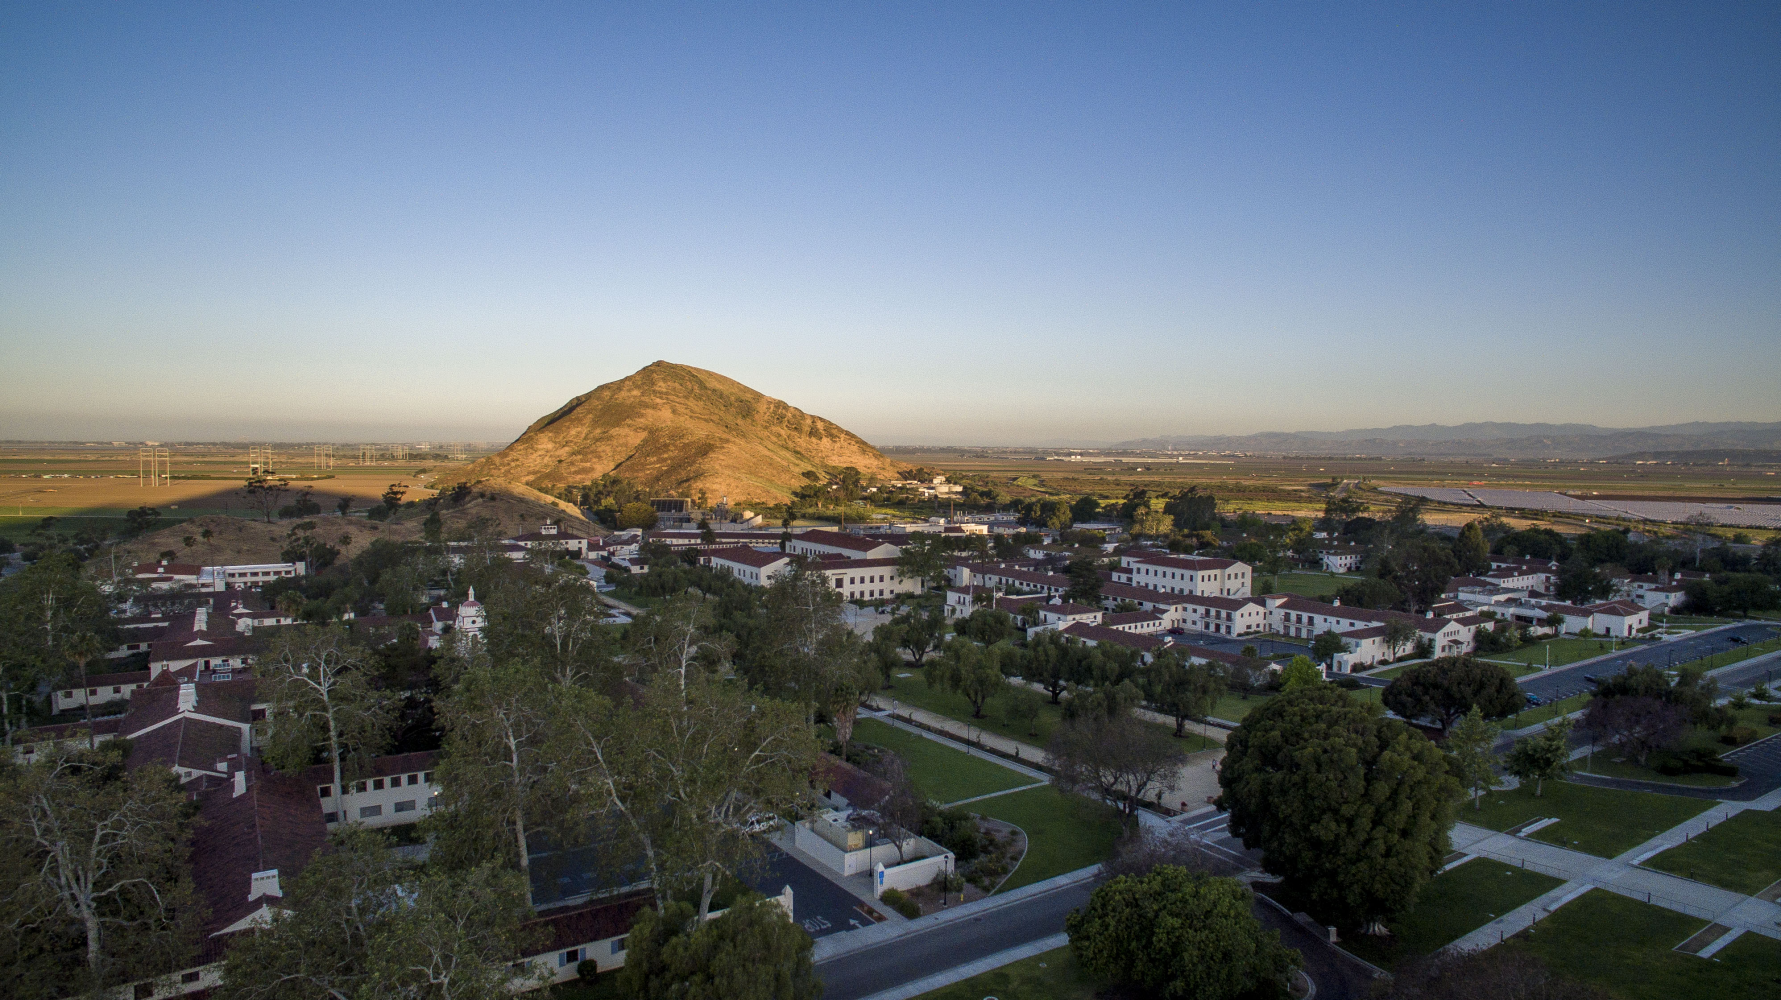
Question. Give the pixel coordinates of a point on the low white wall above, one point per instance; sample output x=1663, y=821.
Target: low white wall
x=912, y=875
x=806, y=840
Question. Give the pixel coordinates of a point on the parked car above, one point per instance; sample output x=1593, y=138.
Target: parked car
x=1738, y=640
x=1534, y=699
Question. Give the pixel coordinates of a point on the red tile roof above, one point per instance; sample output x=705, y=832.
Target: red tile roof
x=1100, y=633
x=838, y=540
x=594, y=921
x=276, y=824
x=746, y=556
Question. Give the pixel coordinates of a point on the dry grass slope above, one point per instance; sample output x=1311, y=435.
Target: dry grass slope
x=514, y=508
x=684, y=429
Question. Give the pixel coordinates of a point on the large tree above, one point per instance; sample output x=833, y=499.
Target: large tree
x=1182, y=688
x=1178, y=933
x=689, y=773
x=94, y=871
x=803, y=646
x=555, y=621
x=1420, y=569
x=1471, y=552
x=1113, y=757
x=752, y=951
x=1637, y=725
x=920, y=631
x=499, y=772
x=1085, y=582
x=1350, y=807
x=1447, y=688
x=969, y=670
x=1544, y=755
x=676, y=638
x=361, y=924
x=41, y=608
x=1469, y=758
x=922, y=557
x=322, y=698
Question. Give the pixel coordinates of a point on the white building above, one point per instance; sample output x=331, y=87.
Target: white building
x=1185, y=574
x=752, y=566
x=248, y=575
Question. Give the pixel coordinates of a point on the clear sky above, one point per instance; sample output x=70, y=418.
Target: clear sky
x=961, y=223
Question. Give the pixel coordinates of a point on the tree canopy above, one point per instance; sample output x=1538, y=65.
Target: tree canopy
x=1351, y=807
x=1179, y=934
x=1447, y=688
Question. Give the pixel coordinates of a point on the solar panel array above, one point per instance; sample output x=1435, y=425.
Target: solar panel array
x=1746, y=515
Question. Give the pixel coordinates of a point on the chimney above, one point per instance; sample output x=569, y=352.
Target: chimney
x=264, y=884
x=240, y=784
x=1335, y=602
x=188, y=696
x=1429, y=613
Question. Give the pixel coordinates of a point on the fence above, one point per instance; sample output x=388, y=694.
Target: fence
x=1655, y=899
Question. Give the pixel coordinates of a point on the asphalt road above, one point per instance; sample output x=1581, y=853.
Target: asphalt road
x=1563, y=682
x=861, y=973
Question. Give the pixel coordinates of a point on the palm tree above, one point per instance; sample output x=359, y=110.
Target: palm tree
x=81, y=648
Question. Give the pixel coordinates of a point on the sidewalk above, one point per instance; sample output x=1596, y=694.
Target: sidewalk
x=834, y=945
x=1621, y=874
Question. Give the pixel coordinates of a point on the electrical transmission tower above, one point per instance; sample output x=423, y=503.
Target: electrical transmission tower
x=367, y=453
x=259, y=460
x=154, y=467
x=324, y=456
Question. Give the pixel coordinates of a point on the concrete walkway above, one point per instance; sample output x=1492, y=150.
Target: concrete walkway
x=961, y=973
x=1622, y=875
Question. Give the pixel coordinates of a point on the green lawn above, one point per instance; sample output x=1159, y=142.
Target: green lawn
x=1454, y=903
x=912, y=690
x=1064, y=832
x=1232, y=708
x=945, y=774
x=1051, y=976
x=1535, y=716
x=1626, y=947
x=1602, y=821
x=1564, y=651
x=1309, y=584
x=1603, y=765
x=1742, y=854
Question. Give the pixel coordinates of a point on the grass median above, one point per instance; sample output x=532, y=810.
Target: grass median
x=1053, y=975
x=1627, y=947
x=1742, y=854
x=1604, y=822
x=1453, y=904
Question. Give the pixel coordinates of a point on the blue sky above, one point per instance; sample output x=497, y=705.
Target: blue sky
x=949, y=224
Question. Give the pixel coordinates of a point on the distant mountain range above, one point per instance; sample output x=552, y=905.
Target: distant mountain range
x=679, y=430
x=1497, y=440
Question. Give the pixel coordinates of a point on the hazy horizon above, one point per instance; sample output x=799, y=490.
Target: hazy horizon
x=930, y=225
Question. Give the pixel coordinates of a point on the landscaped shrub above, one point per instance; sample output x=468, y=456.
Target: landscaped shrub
x=587, y=970
x=1699, y=760
x=1738, y=736
x=956, y=830
x=899, y=900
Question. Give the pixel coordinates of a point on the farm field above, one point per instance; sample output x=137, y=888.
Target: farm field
x=100, y=484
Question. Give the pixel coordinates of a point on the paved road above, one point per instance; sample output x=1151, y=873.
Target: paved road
x=1563, y=682
x=861, y=973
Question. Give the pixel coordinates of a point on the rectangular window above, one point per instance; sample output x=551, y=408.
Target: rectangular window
x=414, y=779
x=190, y=977
x=92, y=690
x=117, y=690
x=324, y=791
x=330, y=817
x=618, y=946
x=367, y=812
x=377, y=784
x=405, y=806
x=569, y=957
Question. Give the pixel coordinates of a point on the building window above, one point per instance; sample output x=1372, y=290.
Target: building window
x=570, y=957
x=368, y=812
x=324, y=791
x=618, y=946
x=330, y=817
x=405, y=806
x=190, y=977
x=414, y=779
x=377, y=784
x=427, y=776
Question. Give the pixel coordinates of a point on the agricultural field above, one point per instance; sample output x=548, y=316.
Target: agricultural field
x=95, y=485
x=1298, y=485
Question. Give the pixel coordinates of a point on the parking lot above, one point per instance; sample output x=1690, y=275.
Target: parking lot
x=818, y=905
